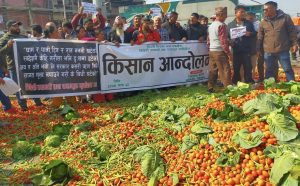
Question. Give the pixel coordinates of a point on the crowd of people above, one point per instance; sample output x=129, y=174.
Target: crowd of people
x=231, y=59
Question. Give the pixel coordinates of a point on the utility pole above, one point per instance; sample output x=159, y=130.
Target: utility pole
x=30, y=11
x=65, y=14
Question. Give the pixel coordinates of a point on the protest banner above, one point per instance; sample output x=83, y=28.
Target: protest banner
x=152, y=65
x=51, y=68
x=89, y=8
x=237, y=32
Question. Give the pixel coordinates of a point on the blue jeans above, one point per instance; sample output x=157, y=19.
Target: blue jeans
x=3, y=98
x=271, y=61
x=22, y=102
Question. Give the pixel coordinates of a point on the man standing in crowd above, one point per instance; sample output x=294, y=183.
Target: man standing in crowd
x=164, y=34
x=6, y=50
x=145, y=33
x=37, y=31
x=176, y=32
x=87, y=22
x=255, y=61
x=277, y=35
x=137, y=21
x=196, y=31
x=117, y=34
x=241, y=46
x=99, y=20
x=219, y=52
x=69, y=32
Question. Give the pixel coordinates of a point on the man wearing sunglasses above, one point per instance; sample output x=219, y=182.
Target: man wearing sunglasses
x=277, y=35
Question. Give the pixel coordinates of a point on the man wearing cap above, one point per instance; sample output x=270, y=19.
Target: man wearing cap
x=6, y=50
x=219, y=53
x=117, y=34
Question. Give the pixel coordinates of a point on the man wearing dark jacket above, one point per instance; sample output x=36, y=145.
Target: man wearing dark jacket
x=176, y=32
x=196, y=31
x=6, y=50
x=241, y=46
x=277, y=35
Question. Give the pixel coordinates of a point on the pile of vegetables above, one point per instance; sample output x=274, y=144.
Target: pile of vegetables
x=181, y=136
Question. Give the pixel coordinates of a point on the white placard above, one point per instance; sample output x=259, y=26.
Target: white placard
x=10, y=87
x=89, y=8
x=152, y=65
x=237, y=32
x=156, y=12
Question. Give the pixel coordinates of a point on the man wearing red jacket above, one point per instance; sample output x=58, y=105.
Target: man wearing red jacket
x=145, y=33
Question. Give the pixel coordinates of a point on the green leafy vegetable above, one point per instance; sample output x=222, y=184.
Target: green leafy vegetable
x=246, y=139
x=295, y=89
x=85, y=126
x=292, y=98
x=230, y=158
x=101, y=150
x=282, y=126
x=55, y=171
x=283, y=165
x=228, y=114
x=188, y=142
x=152, y=164
x=201, y=128
x=239, y=90
x=52, y=141
x=24, y=149
x=61, y=130
x=269, y=83
x=263, y=104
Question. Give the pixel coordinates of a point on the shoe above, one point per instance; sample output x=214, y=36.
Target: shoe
x=24, y=109
x=40, y=105
x=211, y=90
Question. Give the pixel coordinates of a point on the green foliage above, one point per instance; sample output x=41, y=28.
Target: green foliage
x=54, y=172
x=282, y=166
x=200, y=128
x=68, y=112
x=152, y=164
x=85, y=126
x=228, y=114
x=282, y=125
x=101, y=150
x=263, y=104
x=229, y=158
x=61, y=129
x=177, y=116
x=246, y=139
x=188, y=142
x=269, y=83
x=295, y=89
x=23, y=149
x=52, y=141
x=239, y=90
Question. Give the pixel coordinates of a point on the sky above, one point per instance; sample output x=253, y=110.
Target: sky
x=291, y=7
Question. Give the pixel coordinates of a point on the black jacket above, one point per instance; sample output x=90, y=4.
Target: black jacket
x=244, y=43
x=113, y=37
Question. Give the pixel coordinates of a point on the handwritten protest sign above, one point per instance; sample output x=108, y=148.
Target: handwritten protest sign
x=237, y=32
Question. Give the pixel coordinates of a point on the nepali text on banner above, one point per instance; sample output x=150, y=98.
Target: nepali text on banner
x=52, y=68
x=152, y=65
